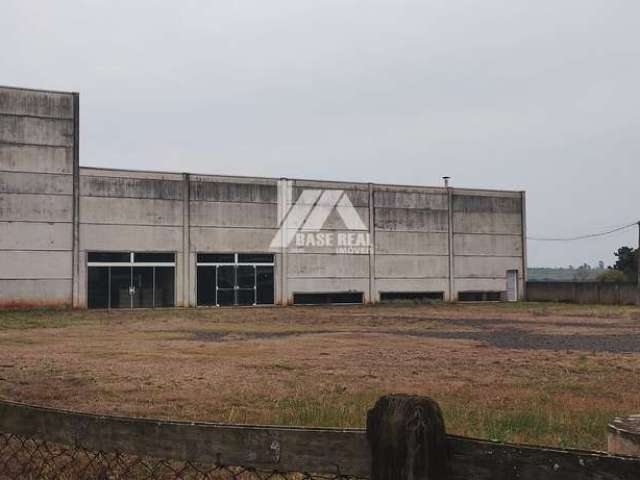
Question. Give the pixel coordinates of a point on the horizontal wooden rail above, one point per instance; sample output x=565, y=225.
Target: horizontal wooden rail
x=291, y=449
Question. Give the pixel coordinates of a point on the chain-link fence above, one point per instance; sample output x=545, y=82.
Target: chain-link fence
x=31, y=458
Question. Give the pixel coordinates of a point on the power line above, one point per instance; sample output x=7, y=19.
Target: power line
x=583, y=237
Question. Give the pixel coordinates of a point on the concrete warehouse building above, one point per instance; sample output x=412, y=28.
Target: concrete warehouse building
x=103, y=238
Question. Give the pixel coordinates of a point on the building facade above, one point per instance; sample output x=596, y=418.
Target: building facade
x=106, y=238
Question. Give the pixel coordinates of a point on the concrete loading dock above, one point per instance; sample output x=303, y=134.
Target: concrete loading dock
x=69, y=234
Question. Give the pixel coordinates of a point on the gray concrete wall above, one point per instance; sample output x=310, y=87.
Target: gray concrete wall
x=132, y=211
x=488, y=239
x=411, y=240
x=424, y=239
x=37, y=160
x=584, y=293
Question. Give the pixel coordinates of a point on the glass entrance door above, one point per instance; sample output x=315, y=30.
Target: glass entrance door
x=235, y=279
x=245, y=285
x=120, y=286
x=131, y=280
x=226, y=285
x=142, y=287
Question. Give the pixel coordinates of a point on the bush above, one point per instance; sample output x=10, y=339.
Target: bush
x=612, y=276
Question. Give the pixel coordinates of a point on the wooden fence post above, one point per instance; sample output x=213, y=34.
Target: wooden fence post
x=623, y=436
x=407, y=438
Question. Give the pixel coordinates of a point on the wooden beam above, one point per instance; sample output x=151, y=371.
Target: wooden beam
x=313, y=450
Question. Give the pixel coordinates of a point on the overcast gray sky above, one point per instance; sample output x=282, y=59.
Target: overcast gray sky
x=541, y=96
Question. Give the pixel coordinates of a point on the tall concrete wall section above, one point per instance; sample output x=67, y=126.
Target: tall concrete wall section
x=232, y=215
x=488, y=240
x=314, y=267
x=411, y=240
x=38, y=157
x=131, y=211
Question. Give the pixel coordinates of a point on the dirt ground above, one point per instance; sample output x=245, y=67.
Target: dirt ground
x=534, y=373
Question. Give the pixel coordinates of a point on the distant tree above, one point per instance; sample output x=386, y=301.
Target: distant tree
x=627, y=263
x=601, y=265
x=583, y=273
x=611, y=276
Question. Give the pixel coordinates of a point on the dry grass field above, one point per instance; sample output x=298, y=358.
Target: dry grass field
x=534, y=373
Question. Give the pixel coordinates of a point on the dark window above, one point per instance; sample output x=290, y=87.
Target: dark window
x=411, y=296
x=226, y=297
x=109, y=257
x=164, y=295
x=226, y=276
x=324, y=298
x=142, y=287
x=216, y=258
x=120, y=284
x=255, y=258
x=479, y=296
x=154, y=257
x=206, y=286
x=98, y=287
x=246, y=296
x=246, y=276
x=264, y=286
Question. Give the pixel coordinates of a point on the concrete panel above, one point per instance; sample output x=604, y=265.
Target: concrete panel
x=550, y=292
x=131, y=188
x=629, y=295
x=326, y=285
x=130, y=237
x=481, y=285
x=485, y=204
x=233, y=192
x=400, y=199
x=35, y=265
x=335, y=222
x=130, y=211
x=411, y=266
x=328, y=265
x=330, y=185
x=118, y=173
x=412, y=242
x=505, y=223
x=492, y=245
x=36, y=131
x=34, y=293
x=29, y=102
x=35, y=208
x=585, y=293
x=31, y=158
x=358, y=198
x=182, y=283
x=353, y=242
x=412, y=285
x=409, y=219
x=226, y=214
x=486, y=267
x=210, y=239
x=35, y=236
x=37, y=183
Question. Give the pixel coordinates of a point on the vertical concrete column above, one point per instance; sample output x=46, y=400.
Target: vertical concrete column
x=452, y=283
x=76, y=301
x=523, y=210
x=185, y=294
x=284, y=199
x=373, y=296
